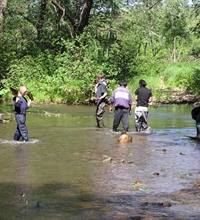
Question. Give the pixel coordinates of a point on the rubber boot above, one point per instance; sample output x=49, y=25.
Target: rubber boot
x=101, y=124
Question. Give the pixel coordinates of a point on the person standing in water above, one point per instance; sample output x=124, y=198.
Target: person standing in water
x=198, y=125
x=21, y=105
x=121, y=99
x=143, y=96
x=101, y=93
x=196, y=116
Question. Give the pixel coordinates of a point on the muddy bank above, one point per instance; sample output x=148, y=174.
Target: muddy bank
x=175, y=96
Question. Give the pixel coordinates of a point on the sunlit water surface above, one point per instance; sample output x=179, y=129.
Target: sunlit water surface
x=63, y=172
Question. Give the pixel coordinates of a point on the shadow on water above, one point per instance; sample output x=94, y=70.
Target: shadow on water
x=64, y=173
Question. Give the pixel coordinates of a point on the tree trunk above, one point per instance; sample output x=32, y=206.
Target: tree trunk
x=85, y=14
x=174, y=51
x=180, y=51
x=3, y=5
x=138, y=51
x=82, y=17
x=40, y=21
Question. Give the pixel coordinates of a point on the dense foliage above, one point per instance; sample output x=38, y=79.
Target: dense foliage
x=56, y=48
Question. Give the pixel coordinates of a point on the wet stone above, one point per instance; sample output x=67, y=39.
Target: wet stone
x=137, y=217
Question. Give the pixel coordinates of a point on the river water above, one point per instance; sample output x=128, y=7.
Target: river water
x=72, y=170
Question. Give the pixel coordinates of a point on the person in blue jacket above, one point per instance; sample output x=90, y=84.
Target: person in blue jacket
x=21, y=105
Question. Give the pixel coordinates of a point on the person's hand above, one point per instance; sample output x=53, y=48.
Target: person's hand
x=18, y=97
x=96, y=98
x=150, y=103
x=130, y=112
x=110, y=109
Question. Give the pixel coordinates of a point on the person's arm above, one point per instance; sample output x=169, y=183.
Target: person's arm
x=112, y=101
x=111, y=107
x=130, y=110
x=130, y=103
x=150, y=100
x=136, y=98
x=29, y=102
x=17, y=100
x=95, y=87
x=103, y=96
x=30, y=95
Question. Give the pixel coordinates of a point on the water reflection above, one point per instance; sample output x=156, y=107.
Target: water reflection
x=61, y=174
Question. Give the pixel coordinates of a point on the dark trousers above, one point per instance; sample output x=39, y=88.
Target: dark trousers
x=99, y=114
x=198, y=129
x=121, y=115
x=21, y=130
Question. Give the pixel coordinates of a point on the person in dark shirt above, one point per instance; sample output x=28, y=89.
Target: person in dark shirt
x=198, y=125
x=121, y=99
x=101, y=93
x=143, y=96
x=196, y=116
x=21, y=105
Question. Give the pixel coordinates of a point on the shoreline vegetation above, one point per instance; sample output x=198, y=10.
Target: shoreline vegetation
x=175, y=83
x=58, y=57
x=175, y=96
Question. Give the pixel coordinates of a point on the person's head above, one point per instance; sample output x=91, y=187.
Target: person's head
x=100, y=76
x=123, y=83
x=23, y=90
x=142, y=83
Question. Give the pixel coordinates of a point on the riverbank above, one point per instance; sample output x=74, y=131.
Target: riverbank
x=160, y=97
x=175, y=96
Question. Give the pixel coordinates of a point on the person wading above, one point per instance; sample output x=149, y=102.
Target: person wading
x=21, y=105
x=121, y=99
x=196, y=116
x=143, y=96
x=101, y=93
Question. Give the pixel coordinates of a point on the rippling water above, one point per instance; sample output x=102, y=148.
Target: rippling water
x=63, y=174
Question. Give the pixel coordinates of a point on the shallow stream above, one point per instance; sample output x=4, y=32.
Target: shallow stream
x=72, y=170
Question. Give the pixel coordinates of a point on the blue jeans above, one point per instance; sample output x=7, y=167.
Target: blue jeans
x=21, y=130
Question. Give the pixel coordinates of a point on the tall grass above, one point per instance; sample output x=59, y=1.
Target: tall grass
x=174, y=75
